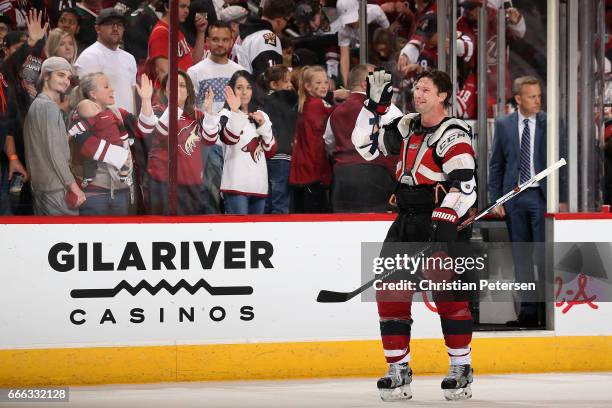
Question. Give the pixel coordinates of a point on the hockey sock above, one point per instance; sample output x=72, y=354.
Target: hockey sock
x=460, y=356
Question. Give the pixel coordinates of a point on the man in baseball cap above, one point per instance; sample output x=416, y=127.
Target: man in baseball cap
x=53, y=64
x=46, y=144
x=106, y=56
x=348, y=11
x=110, y=14
x=348, y=29
x=233, y=14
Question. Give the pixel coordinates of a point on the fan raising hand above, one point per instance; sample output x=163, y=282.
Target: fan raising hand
x=145, y=90
x=233, y=101
x=36, y=30
x=209, y=98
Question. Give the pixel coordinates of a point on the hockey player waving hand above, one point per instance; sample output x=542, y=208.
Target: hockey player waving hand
x=435, y=151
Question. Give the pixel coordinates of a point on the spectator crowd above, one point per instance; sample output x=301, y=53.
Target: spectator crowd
x=268, y=93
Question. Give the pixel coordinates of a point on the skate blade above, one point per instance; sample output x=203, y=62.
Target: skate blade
x=458, y=394
x=396, y=394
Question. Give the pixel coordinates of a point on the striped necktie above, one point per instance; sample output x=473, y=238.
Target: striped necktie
x=525, y=156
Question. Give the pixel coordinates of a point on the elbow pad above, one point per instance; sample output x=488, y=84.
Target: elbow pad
x=461, y=201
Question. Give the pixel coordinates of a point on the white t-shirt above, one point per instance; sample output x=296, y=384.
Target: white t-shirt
x=208, y=73
x=348, y=36
x=118, y=65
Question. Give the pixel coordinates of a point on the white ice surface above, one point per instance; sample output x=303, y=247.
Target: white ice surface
x=516, y=390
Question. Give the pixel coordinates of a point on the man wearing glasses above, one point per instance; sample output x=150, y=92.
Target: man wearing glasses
x=105, y=56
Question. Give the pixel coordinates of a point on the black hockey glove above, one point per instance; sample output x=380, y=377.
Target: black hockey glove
x=444, y=225
x=379, y=92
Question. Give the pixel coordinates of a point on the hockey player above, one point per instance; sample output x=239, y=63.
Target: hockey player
x=434, y=150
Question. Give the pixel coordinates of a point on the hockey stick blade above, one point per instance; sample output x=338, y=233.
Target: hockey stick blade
x=329, y=296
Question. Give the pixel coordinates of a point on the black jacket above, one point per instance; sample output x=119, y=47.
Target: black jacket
x=281, y=107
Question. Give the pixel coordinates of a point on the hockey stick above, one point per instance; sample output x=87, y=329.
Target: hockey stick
x=328, y=296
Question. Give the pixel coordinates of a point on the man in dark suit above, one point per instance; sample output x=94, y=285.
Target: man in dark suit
x=519, y=152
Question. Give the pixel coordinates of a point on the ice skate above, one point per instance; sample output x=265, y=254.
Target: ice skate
x=395, y=386
x=456, y=384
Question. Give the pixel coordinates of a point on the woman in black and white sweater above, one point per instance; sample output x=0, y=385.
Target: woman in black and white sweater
x=247, y=136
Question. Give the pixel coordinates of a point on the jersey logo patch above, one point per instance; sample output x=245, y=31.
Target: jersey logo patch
x=254, y=149
x=270, y=39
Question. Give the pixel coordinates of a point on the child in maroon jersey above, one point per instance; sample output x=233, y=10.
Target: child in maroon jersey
x=310, y=168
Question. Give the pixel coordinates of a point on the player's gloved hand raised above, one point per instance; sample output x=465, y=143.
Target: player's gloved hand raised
x=444, y=225
x=379, y=91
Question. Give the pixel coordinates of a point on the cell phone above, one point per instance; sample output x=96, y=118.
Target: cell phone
x=16, y=183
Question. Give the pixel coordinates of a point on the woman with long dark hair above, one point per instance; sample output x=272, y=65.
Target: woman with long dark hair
x=247, y=136
x=154, y=125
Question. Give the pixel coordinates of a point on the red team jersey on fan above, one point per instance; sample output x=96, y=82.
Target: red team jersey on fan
x=467, y=97
x=309, y=162
x=158, y=46
x=106, y=128
x=189, y=163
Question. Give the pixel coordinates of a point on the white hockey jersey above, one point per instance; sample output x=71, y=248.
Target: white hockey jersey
x=259, y=48
x=245, y=149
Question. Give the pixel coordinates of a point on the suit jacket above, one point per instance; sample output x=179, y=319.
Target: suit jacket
x=504, y=162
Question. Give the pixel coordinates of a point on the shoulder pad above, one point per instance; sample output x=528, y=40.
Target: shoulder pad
x=451, y=138
x=451, y=123
x=405, y=123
